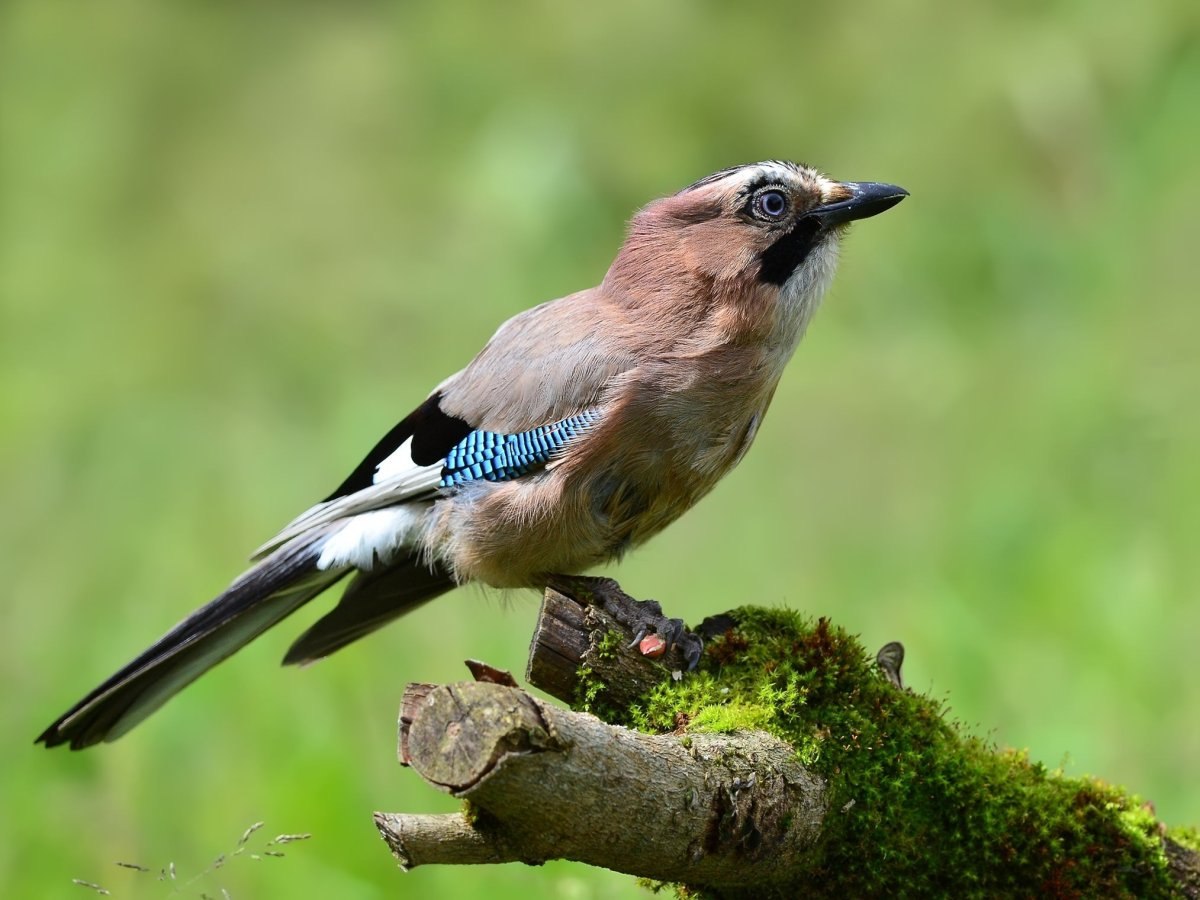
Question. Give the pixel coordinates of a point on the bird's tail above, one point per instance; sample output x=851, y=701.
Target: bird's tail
x=273, y=589
x=371, y=600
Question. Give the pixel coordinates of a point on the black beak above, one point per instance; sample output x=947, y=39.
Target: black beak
x=867, y=198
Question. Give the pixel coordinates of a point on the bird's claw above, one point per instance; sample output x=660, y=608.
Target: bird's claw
x=692, y=648
x=674, y=634
x=641, y=617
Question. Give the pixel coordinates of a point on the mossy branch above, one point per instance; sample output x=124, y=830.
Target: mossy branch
x=788, y=763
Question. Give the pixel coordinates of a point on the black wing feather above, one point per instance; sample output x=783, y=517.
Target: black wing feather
x=433, y=433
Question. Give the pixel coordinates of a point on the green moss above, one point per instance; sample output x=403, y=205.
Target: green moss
x=1186, y=836
x=917, y=806
x=587, y=690
x=591, y=693
x=609, y=645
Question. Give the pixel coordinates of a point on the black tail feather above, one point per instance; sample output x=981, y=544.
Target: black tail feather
x=370, y=601
x=276, y=587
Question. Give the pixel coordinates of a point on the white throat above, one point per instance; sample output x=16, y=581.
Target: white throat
x=800, y=296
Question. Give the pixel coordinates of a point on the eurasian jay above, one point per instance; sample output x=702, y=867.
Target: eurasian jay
x=585, y=426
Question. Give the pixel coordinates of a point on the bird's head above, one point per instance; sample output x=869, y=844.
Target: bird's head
x=767, y=230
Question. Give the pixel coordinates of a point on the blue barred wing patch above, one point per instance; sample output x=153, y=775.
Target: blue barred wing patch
x=491, y=456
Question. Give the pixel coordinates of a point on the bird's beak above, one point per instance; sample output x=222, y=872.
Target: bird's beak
x=866, y=199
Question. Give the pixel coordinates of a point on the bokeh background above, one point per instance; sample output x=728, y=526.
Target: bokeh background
x=239, y=241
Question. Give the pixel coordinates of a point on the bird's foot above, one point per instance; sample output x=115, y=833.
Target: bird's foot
x=641, y=617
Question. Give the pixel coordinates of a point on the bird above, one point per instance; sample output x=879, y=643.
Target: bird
x=583, y=427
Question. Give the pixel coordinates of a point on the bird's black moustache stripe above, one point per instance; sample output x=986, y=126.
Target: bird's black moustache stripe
x=789, y=252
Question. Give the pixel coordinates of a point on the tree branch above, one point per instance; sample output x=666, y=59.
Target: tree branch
x=555, y=784
x=900, y=798
x=418, y=840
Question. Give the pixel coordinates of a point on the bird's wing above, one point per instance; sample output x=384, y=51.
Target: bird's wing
x=538, y=382
x=405, y=465
x=543, y=365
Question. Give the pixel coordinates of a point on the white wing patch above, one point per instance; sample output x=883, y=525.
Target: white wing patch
x=397, y=464
x=397, y=480
x=373, y=536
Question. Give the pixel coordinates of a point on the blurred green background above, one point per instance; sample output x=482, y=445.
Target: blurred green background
x=237, y=244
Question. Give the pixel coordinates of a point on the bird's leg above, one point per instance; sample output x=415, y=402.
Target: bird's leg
x=641, y=617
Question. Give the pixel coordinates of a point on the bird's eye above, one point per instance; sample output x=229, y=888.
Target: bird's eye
x=771, y=204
